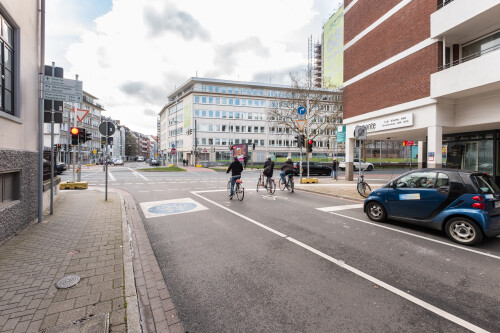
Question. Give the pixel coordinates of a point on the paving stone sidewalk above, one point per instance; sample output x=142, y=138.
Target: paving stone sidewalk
x=87, y=237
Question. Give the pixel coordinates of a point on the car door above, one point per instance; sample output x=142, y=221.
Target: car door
x=415, y=195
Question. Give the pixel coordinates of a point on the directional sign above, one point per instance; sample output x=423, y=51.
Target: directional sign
x=109, y=125
x=81, y=114
x=301, y=123
x=60, y=89
x=301, y=110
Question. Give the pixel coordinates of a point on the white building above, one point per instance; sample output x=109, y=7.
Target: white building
x=211, y=115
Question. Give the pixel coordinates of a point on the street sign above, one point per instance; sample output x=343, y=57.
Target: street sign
x=81, y=114
x=301, y=110
x=60, y=89
x=341, y=131
x=301, y=123
x=173, y=151
x=360, y=132
x=109, y=125
x=173, y=146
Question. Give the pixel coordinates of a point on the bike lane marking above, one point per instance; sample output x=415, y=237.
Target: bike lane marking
x=351, y=269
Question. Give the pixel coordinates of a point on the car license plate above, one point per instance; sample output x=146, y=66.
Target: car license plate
x=497, y=204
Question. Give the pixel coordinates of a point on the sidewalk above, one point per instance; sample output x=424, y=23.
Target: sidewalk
x=338, y=188
x=85, y=237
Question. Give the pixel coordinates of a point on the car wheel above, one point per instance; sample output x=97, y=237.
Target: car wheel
x=463, y=231
x=370, y=168
x=375, y=211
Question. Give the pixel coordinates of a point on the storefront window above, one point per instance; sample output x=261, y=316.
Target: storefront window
x=471, y=155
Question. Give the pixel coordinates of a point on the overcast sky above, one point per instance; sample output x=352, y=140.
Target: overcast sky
x=132, y=53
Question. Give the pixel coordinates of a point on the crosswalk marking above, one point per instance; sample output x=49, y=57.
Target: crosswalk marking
x=341, y=207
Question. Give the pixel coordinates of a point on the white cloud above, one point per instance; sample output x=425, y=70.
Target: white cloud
x=135, y=54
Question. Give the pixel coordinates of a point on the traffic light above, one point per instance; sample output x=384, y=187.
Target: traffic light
x=253, y=146
x=88, y=136
x=82, y=134
x=310, y=145
x=231, y=147
x=75, y=134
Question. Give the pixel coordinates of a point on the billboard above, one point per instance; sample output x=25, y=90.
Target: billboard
x=240, y=151
x=333, y=50
x=187, y=115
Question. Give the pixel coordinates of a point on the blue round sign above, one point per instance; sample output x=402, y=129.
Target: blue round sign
x=301, y=110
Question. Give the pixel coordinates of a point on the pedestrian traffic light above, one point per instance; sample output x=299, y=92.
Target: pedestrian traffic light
x=253, y=146
x=75, y=133
x=88, y=136
x=82, y=134
x=310, y=145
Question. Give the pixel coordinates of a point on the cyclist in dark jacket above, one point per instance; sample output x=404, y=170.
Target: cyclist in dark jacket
x=286, y=169
x=268, y=168
x=236, y=168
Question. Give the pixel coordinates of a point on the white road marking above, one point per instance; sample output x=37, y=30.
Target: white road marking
x=368, y=277
x=137, y=174
x=144, y=191
x=111, y=177
x=158, y=190
x=340, y=207
x=421, y=237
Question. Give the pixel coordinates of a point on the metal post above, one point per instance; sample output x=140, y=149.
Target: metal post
x=359, y=159
x=195, y=146
x=307, y=138
x=52, y=152
x=40, y=112
x=105, y=160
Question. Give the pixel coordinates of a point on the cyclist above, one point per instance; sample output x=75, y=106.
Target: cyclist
x=286, y=169
x=236, y=168
x=268, y=169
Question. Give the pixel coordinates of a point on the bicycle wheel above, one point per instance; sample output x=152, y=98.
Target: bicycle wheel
x=240, y=192
x=271, y=187
x=282, y=185
x=229, y=188
x=364, y=189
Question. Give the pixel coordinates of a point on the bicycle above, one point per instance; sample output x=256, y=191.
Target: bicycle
x=268, y=183
x=239, y=190
x=363, y=188
x=288, y=184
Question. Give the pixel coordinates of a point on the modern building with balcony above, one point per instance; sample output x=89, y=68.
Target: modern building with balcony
x=426, y=72
x=209, y=116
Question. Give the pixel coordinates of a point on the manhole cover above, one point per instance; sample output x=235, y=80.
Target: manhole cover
x=68, y=281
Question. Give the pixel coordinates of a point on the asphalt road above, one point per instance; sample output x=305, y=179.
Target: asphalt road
x=304, y=262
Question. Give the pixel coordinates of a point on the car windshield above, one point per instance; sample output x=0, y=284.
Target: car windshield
x=485, y=183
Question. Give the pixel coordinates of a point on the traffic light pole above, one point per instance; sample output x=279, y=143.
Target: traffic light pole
x=52, y=152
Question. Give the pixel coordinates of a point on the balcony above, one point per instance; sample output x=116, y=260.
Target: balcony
x=479, y=75
x=461, y=21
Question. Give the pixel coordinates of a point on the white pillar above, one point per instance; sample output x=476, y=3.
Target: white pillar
x=422, y=154
x=434, y=146
x=349, y=158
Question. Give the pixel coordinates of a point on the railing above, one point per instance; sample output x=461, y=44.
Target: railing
x=469, y=57
x=444, y=3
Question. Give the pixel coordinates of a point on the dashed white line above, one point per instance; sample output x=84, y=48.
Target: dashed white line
x=339, y=207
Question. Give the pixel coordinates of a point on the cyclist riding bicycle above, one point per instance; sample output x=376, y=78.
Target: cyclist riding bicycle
x=236, y=168
x=286, y=169
x=268, y=168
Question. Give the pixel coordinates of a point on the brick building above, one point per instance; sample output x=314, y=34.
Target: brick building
x=426, y=71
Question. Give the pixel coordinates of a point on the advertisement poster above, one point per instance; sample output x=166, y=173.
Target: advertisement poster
x=333, y=50
x=240, y=151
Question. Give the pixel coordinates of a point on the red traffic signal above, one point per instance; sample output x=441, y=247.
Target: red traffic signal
x=311, y=142
x=75, y=130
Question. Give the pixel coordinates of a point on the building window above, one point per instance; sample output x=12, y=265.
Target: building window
x=7, y=67
x=9, y=187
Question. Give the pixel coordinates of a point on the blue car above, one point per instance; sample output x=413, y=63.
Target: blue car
x=463, y=204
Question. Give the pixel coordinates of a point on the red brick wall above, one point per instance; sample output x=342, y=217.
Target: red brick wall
x=409, y=26
x=363, y=14
x=401, y=82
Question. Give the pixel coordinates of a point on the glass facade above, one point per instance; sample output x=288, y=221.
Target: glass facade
x=478, y=151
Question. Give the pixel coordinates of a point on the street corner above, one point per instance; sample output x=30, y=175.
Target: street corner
x=170, y=207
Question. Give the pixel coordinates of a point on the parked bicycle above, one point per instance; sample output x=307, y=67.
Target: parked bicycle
x=363, y=188
x=266, y=182
x=288, y=184
x=239, y=190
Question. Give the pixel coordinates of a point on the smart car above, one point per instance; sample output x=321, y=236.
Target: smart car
x=463, y=204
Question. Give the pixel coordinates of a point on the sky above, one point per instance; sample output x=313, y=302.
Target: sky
x=131, y=54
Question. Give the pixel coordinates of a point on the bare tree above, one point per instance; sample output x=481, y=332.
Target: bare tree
x=324, y=108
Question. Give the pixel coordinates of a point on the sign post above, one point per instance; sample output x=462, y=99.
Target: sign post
x=107, y=129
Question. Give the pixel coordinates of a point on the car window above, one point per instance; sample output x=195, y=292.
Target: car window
x=442, y=180
x=485, y=183
x=417, y=180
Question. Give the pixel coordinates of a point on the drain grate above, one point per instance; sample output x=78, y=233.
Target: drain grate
x=68, y=281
